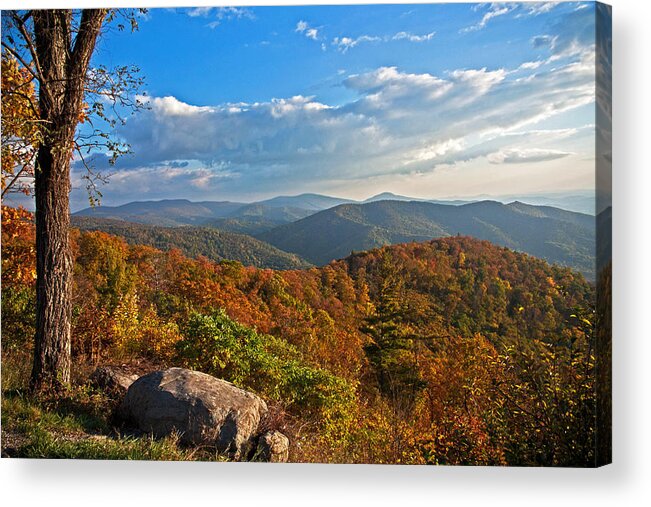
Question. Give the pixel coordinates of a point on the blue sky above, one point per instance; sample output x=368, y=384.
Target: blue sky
x=433, y=101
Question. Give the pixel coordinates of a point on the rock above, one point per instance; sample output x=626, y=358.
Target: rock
x=273, y=447
x=112, y=379
x=202, y=409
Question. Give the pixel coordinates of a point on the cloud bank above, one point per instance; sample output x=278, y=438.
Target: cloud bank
x=398, y=124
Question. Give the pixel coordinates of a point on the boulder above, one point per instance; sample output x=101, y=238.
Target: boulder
x=112, y=379
x=273, y=447
x=202, y=409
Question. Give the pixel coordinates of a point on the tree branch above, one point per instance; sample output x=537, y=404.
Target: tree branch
x=20, y=24
x=17, y=56
x=89, y=28
x=13, y=180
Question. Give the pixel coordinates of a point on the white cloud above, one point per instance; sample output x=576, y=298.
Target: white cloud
x=518, y=156
x=309, y=32
x=171, y=106
x=438, y=149
x=343, y=44
x=573, y=36
x=413, y=38
x=495, y=10
x=156, y=182
x=393, y=82
x=480, y=79
x=398, y=123
x=536, y=8
x=312, y=33
x=200, y=11
x=531, y=65
x=203, y=178
x=221, y=12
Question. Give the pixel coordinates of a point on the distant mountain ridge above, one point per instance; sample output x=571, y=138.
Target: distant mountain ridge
x=226, y=215
x=558, y=236
x=168, y=212
x=311, y=202
x=389, y=196
x=321, y=228
x=261, y=216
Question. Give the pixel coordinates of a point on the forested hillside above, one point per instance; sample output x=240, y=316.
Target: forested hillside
x=449, y=351
x=319, y=228
x=214, y=244
x=258, y=218
x=175, y=212
x=558, y=236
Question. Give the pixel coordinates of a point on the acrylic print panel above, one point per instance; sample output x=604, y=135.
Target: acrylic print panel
x=334, y=234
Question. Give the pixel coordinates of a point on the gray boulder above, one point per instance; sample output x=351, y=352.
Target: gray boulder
x=113, y=380
x=273, y=447
x=202, y=409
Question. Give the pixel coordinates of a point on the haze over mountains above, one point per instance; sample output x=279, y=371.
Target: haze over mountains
x=285, y=209
x=558, y=236
x=291, y=232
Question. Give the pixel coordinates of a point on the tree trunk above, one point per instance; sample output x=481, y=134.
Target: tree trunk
x=62, y=65
x=54, y=270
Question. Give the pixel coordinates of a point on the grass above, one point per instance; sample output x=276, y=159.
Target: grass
x=76, y=424
x=44, y=444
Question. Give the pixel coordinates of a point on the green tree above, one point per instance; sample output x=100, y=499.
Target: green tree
x=392, y=339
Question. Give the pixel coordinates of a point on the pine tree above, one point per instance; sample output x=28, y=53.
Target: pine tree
x=391, y=350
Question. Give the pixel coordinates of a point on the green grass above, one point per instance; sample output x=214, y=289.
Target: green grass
x=76, y=424
x=45, y=444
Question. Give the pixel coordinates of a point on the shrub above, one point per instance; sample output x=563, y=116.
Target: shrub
x=217, y=345
x=18, y=317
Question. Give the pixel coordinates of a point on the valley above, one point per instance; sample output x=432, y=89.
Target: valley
x=310, y=229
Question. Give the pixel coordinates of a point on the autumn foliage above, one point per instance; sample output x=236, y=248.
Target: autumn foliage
x=20, y=126
x=452, y=351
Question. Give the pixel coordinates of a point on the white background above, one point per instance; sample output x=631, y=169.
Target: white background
x=626, y=482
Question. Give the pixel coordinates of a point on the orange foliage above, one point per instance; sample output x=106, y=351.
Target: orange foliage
x=458, y=307
x=18, y=247
x=20, y=127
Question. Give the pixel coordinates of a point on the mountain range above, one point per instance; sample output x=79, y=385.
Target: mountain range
x=242, y=217
x=168, y=212
x=174, y=212
x=313, y=229
x=558, y=236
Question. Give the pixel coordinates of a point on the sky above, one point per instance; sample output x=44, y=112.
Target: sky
x=430, y=101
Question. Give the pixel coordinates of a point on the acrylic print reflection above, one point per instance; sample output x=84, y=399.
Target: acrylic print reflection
x=333, y=234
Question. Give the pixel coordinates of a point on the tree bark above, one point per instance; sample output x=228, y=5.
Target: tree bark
x=63, y=66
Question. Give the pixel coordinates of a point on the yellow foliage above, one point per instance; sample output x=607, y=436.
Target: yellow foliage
x=125, y=325
x=158, y=337
x=142, y=332
x=20, y=126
